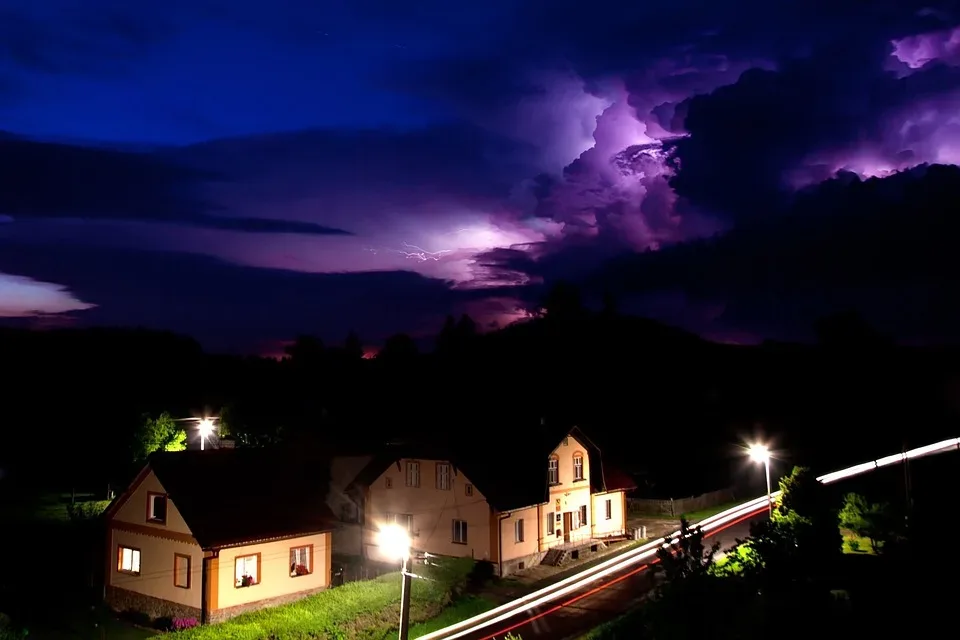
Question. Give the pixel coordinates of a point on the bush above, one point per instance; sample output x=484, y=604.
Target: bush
x=86, y=511
x=365, y=609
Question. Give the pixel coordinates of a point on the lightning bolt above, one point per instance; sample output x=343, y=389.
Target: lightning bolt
x=414, y=252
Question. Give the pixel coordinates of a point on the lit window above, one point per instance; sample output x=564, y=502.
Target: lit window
x=553, y=471
x=609, y=509
x=156, y=508
x=247, y=570
x=460, y=531
x=181, y=571
x=518, y=531
x=300, y=558
x=578, y=466
x=413, y=474
x=128, y=560
x=443, y=476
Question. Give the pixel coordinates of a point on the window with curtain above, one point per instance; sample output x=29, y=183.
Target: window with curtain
x=247, y=570
x=128, y=560
x=300, y=561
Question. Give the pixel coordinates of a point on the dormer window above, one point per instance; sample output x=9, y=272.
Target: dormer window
x=578, y=466
x=553, y=470
x=156, y=508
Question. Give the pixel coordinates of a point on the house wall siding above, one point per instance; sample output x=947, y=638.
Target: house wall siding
x=156, y=579
x=433, y=511
x=570, y=494
x=134, y=510
x=617, y=523
x=274, y=567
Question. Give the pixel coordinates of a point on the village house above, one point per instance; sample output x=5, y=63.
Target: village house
x=211, y=534
x=508, y=507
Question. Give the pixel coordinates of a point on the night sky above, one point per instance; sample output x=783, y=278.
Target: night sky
x=245, y=171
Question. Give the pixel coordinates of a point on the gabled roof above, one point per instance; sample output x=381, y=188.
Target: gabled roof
x=511, y=475
x=230, y=497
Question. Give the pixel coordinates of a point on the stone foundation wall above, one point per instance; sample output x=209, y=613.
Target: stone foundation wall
x=124, y=600
x=225, y=614
x=513, y=564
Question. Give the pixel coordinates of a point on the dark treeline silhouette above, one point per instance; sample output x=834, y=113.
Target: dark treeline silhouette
x=669, y=406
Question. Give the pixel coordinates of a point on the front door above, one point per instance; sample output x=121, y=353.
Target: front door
x=567, y=525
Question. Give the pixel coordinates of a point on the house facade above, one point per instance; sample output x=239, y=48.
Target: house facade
x=508, y=512
x=176, y=547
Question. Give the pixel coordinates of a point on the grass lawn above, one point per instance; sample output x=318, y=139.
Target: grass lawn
x=47, y=508
x=852, y=543
x=465, y=607
x=364, y=610
x=694, y=517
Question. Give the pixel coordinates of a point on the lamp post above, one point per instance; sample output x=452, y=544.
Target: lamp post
x=394, y=541
x=760, y=453
x=206, y=430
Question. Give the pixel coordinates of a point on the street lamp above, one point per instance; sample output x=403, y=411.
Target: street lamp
x=760, y=453
x=206, y=430
x=395, y=543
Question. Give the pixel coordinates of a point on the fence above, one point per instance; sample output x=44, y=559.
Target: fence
x=677, y=507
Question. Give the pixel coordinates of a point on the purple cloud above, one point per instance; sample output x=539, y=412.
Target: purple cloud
x=554, y=145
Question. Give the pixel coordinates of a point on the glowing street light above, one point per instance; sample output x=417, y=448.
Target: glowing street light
x=760, y=453
x=205, y=425
x=394, y=541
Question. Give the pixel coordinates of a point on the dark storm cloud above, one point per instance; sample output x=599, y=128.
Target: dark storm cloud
x=885, y=247
x=452, y=159
x=745, y=138
x=230, y=307
x=39, y=179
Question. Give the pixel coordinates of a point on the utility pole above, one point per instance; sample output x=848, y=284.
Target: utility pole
x=405, y=599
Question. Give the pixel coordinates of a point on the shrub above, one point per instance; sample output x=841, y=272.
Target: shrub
x=86, y=511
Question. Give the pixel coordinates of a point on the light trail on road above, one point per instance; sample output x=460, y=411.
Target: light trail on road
x=710, y=526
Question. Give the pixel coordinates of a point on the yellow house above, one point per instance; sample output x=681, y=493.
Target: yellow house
x=208, y=535
x=507, y=504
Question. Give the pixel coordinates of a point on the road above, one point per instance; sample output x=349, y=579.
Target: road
x=578, y=612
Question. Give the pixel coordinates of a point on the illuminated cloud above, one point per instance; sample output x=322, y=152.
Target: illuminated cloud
x=22, y=297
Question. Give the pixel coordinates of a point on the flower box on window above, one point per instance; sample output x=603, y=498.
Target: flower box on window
x=299, y=570
x=246, y=581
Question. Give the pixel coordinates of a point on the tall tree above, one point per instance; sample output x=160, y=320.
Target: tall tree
x=158, y=434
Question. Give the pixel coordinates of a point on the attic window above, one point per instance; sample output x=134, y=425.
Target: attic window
x=156, y=508
x=468, y=490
